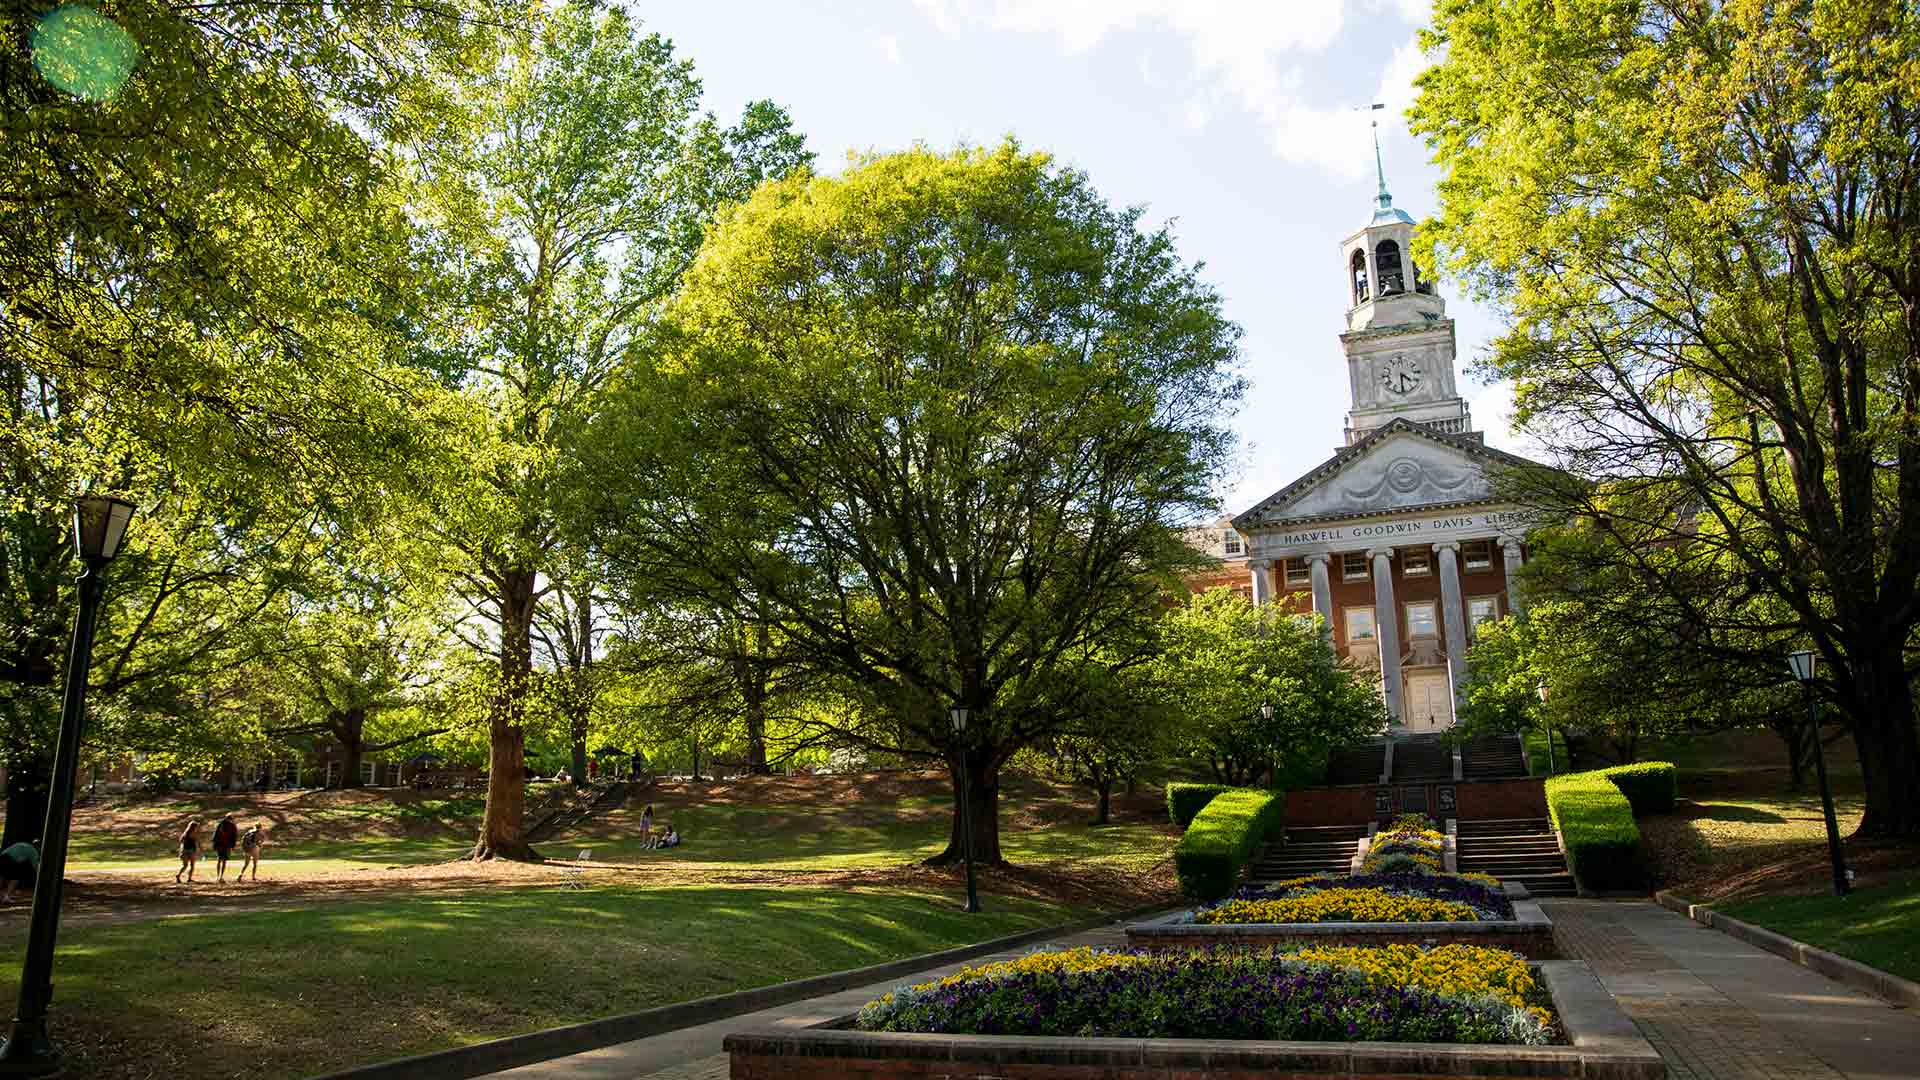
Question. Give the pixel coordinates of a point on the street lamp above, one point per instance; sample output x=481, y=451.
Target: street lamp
x=99, y=524
x=1801, y=664
x=1546, y=726
x=958, y=716
x=1273, y=763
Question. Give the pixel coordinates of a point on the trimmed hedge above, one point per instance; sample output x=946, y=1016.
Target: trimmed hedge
x=1651, y=786
x=1186, y=800
x=1596, y=823
x=1221, y=839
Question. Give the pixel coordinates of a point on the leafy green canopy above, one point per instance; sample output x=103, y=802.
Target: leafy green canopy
x=1222, y=660
x=1701, y=218
x=939, y=417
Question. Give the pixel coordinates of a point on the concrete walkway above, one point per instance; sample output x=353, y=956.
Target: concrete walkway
x=1719, y=1009
x=694, y=1053
x=1715, y=1007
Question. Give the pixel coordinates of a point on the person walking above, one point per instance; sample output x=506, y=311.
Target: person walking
x=189, y=852
x=646, y=825
x=250, y=845
x=225, y=836
x=19, y=865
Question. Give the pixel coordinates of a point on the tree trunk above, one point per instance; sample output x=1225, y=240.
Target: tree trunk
x=756, y=694
x=983, y=799
x=579, y=761
x=1883, y=731
x=501, y=826
x=350, y=726
x=1106, y=801
x=27, y=780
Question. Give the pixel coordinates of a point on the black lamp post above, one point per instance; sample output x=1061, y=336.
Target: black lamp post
x=1273, y=763
x=959, y=719
x=1801, y=664
x=1547, y=726
x=99, y=524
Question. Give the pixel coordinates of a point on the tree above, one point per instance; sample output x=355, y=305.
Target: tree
x=1705, y=221
x=937, y=417
x=355, y=659
x=1123, y=728
x=1223, y=663
x=565, y=210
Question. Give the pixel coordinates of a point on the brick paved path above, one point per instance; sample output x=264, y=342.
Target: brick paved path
x=1719, y=1009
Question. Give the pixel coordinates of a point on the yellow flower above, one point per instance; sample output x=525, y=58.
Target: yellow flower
x=1340, y=905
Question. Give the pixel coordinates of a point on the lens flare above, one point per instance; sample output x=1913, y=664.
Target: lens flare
x=83, y=52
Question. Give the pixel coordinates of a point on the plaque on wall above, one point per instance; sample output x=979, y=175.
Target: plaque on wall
x=1413, y=799
x=1383, y=803
x=1444, y=799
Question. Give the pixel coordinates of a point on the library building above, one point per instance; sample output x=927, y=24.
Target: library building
x=1398, y=540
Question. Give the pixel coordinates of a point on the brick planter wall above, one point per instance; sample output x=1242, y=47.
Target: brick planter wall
x=1604, y=1045
x=1529, y=933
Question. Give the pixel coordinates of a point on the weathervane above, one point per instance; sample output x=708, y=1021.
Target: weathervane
x=1379, y=170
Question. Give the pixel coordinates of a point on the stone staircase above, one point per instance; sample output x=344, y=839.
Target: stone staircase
x=1303, y=851
x=1357, y=764
x=1515, y=849
x=1497, y=757
x=571, y=812
x=1421, y=758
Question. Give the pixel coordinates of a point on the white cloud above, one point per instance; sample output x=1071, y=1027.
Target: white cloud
x=889, y=46
x=1242, y=54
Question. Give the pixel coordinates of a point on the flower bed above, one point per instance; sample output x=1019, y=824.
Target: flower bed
x=1457, y=994
x=1337, y=905
x=1411, y=844
x=1482, y=896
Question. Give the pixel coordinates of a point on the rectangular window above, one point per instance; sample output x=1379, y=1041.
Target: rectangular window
x=1420, y=621
x=1233, y=543
x=366, y=773
x=1353, y=566
x=1299, y=572
x=1477, y=554
x=1481, y=609
x=1359, y=624
x=1416, y=562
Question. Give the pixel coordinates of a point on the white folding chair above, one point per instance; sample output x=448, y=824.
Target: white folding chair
x=577, y=874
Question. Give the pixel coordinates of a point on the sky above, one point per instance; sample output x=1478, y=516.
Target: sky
x=1241, y=122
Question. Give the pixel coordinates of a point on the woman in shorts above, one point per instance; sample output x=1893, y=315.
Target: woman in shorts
x=189, y=852
x=250, y=844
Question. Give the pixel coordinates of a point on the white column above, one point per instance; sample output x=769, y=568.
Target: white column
x=1510, y=554
x=1262, y=583
x=1386, y=628
x=1322, y=591
x=1453, y=610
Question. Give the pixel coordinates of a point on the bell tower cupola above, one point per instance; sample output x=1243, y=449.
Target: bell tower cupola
x=1399, y=341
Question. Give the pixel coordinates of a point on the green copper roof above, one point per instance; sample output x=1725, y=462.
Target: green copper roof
x=1384, y=210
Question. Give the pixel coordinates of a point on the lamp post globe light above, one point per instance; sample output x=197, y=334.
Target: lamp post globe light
x=99, y=525
x=1801, y=663
x=958, y=718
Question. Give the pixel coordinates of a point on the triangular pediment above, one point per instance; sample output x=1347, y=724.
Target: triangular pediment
x=1402, y=466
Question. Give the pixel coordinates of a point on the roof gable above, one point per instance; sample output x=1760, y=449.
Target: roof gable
x=1397, y=467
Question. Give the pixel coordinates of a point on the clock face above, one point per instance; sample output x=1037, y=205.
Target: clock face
x=1400, y=375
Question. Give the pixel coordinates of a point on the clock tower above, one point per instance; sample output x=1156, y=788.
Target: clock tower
x=1399, y=340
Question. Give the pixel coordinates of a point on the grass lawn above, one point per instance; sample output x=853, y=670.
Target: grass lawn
x=1878, y=926
x=307, y=991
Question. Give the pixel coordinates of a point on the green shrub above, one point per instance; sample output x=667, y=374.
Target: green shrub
x=1650, y=786
x=1596, y=823
x=1186, y=800
x=1221, y=839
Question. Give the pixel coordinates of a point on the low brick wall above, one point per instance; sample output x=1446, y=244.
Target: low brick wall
x=1603, y=1045
x=1529, y=933
x=1349, y=805
x=1482, y=800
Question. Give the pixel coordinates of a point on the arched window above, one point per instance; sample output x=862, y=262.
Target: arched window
x=1386, y=257
x=1359, y=266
